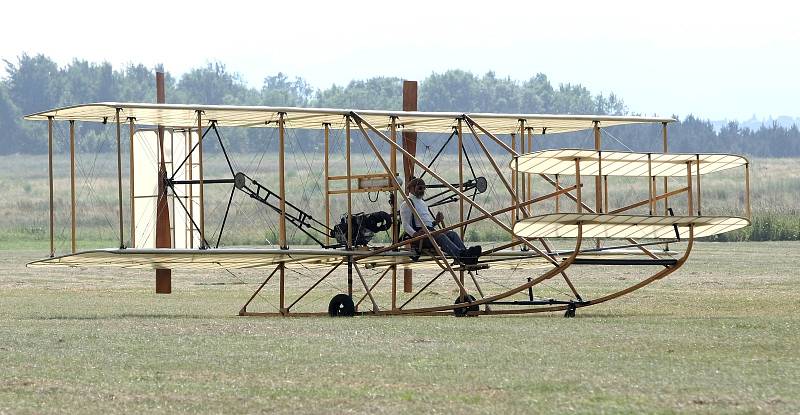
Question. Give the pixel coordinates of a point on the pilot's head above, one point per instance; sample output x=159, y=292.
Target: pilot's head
x=416, y=187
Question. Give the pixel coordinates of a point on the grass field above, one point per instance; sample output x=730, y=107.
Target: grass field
x=719, y=336
x=775, y=185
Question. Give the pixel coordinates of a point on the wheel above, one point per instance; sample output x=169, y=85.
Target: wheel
x=570, y=313
x=462, y=311
x=341, y=305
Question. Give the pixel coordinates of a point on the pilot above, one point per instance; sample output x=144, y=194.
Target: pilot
x=450, y=242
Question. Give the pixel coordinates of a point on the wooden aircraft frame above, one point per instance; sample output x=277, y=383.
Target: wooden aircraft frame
x=525, y=229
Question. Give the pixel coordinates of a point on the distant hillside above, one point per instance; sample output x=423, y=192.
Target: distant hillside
x=754, y=123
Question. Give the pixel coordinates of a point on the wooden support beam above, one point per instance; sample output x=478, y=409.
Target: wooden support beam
x=119, y=178
x=73, y=241
x=131, y=180
x=746, y=189
x=163, y=238
x=326, y=172
x=410, y=146
x=50, y=182
x=282, y=183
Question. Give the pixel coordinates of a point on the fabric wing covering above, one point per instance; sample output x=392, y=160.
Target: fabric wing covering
x=172, y=115
x=618, y=163
x=565, y=225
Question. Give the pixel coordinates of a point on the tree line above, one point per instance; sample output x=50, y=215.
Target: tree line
x=36, y=83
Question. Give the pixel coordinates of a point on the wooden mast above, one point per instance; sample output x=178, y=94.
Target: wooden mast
x=163, y=239
x=409, y=145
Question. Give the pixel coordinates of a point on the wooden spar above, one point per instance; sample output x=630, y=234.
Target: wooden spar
x=163, y=238
x=598, y=191
x=460, y=150
x=395, y=205
x=514, y=187
x=578, y=185
x=746, y=189
x=699, y=208
x=529, y=177
x=282, y=204
x=131, y=181
x=349, y=167
x=190, y=188
x=520, y=188
x=73, y=243
x=460, y=131
x=409, y=136
x=119, y=179
x=50, y=181
x=689, y=188
x=666, y=185
x=326, y=162
x=201, y=186
x=410, y=146
x=650, y=184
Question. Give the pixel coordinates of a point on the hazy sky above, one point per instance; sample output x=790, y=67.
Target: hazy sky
x=717, y=60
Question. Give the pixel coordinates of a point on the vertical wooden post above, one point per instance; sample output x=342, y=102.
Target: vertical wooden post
x=409, y=145
x=460, y=149
x=605, y=192
x=200, y=187
x=528, y=176
x=282, y=224
x=650, y=183
x=598, y=191
x=189, y=174
x=282, y=182
x=72, y=185
x=460, y=131
x=699, y=200
x=395, y=205
x=349, y=205
x=578, y=185
x=50, y=181
x=131, y=182
x=119, y=178
x=349, y=172
x=746, y=189
x=689, y=188
x=327, y=128
x=163, y=238
x=666, y=185
x=514, y=188
x=520, y=175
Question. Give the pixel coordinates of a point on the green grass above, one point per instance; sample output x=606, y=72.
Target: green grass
x=718, y=336
x=775, y=185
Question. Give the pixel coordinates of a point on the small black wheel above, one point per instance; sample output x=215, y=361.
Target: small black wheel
x=462, y=311
x=570, y=313
x=341, y=305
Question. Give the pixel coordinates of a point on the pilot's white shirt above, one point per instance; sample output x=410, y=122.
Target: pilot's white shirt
x=406, y=215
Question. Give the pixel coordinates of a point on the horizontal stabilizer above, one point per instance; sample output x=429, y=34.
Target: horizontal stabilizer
x=565, y=225
x=620, y=163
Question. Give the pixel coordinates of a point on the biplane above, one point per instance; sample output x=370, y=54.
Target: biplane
x=556, y=216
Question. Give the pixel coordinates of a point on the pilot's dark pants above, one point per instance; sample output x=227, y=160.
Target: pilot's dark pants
x=450, y=242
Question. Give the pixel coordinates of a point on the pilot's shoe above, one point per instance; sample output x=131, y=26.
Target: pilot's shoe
x=470, y=255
